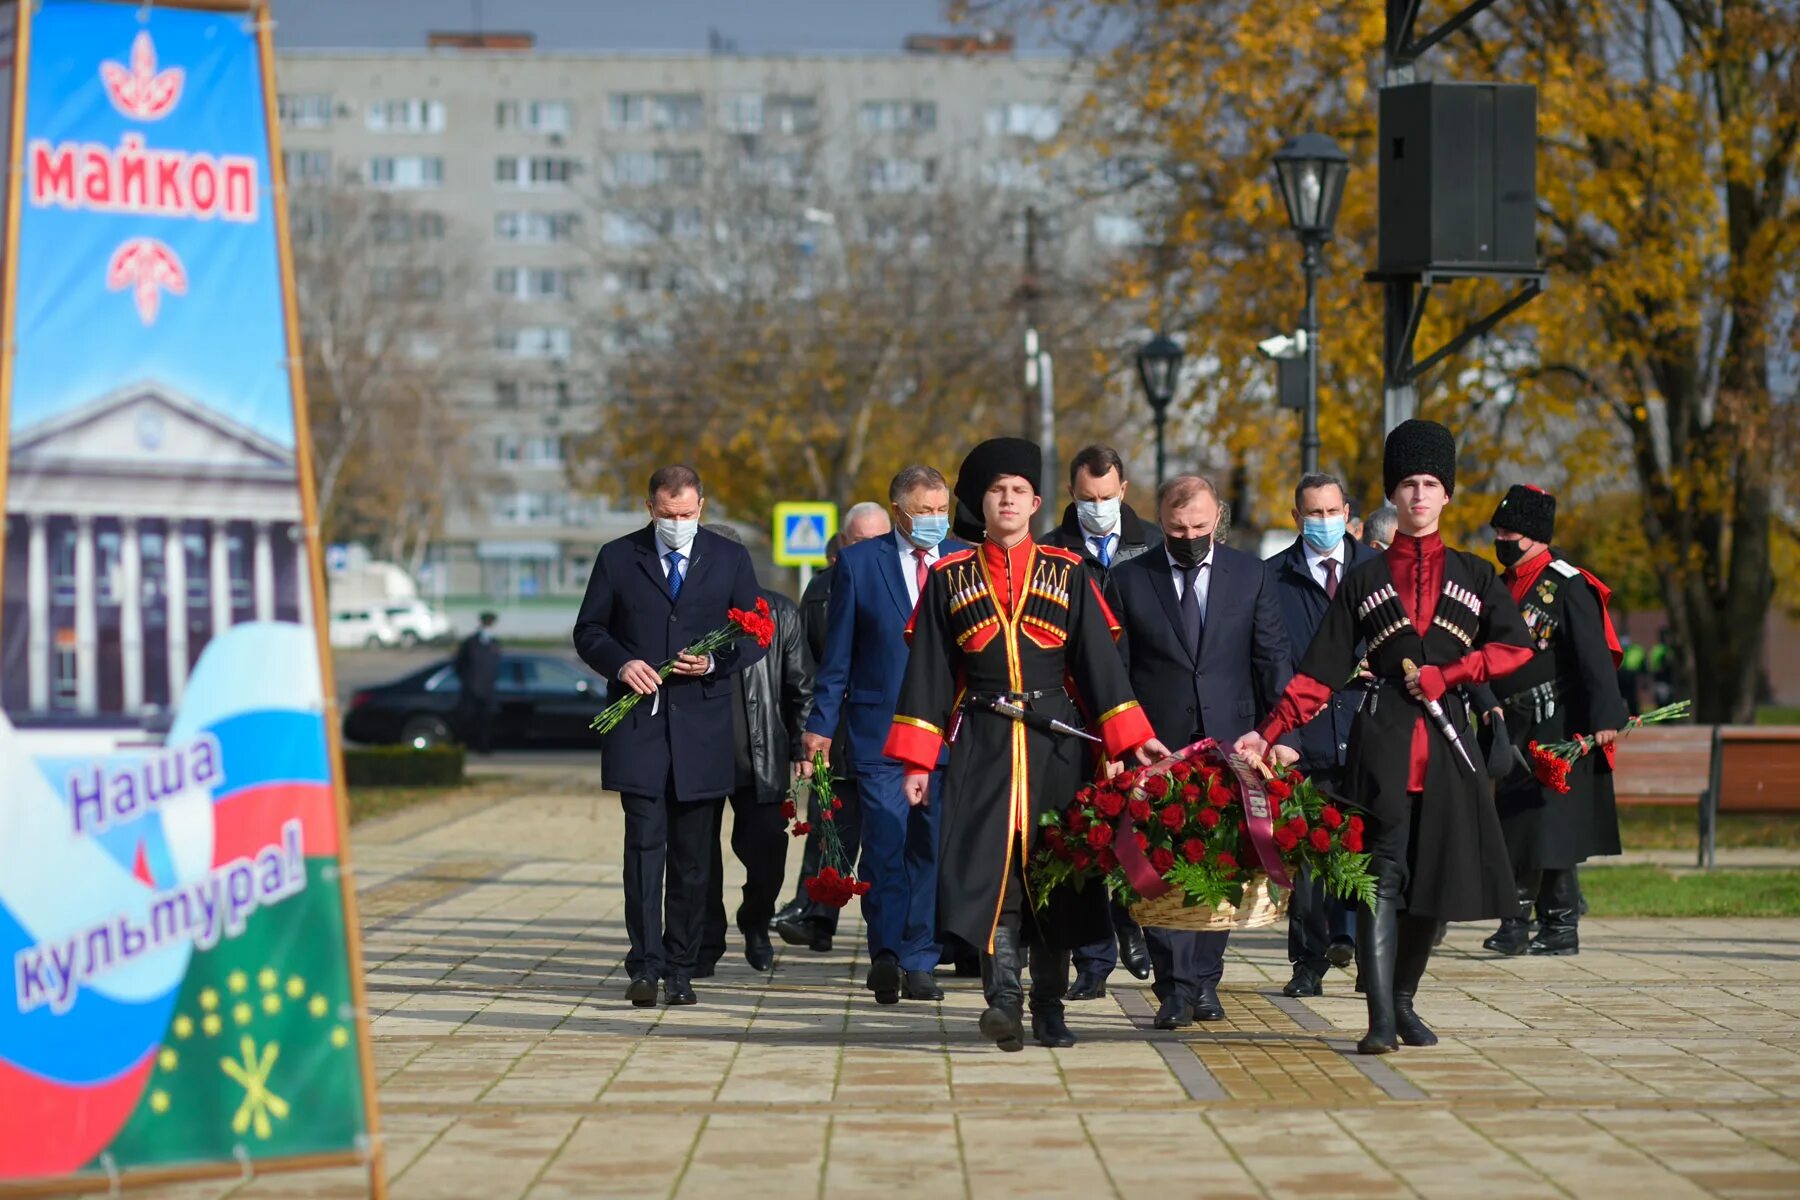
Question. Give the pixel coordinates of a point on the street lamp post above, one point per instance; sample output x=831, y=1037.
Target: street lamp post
x=1310, y=172
x=1159, y=367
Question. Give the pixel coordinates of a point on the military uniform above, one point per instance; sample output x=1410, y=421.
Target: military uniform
x=1569, y=687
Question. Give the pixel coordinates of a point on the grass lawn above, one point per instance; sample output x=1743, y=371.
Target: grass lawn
x=366, y=802
x=1674, y=828
x=1650, y=891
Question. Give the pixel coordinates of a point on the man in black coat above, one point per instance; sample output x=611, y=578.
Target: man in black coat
x=478, y=670
x=652, y=594
x=803, y=921
x=1208, y=657
x=768, y=715
x=1306, y=576
x=1105, y=531
x=1570, y=686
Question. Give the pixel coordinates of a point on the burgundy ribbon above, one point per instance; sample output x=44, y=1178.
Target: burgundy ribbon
x=1259, y=818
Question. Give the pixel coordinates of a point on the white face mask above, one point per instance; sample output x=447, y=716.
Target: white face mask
x=676, y=534
x=1098, y=517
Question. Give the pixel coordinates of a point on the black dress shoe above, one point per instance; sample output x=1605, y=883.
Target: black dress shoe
x=1089, y=985
x=1208, y=1008
x=1341, y=954
x=1048, y=1028
x=793, y=910
x=1304, y=983
x=1174, y=1013
x=641, y=991
x=1134, y=952
x=804, y=931
x=758, y=951
x=920, y=985
x=885, y=978
x=678, y=992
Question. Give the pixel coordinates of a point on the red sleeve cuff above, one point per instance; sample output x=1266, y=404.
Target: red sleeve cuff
x=1125, y=728
x=1300, y=703
x=1433, y=682
x=914, y=742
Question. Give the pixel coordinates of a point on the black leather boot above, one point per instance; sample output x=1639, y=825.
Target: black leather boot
x=1514, y=933
x=1000, y=983
x=1559, y=912
x=1049, y=981
x=1375, y=953
x=1416, y=937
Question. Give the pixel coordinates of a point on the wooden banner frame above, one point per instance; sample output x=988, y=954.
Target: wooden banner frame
x=373, y=1158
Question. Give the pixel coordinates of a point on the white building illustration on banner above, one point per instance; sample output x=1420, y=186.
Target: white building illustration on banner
x=139, y=526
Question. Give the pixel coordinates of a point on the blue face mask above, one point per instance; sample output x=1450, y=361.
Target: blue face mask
x=1322, y=533
x=928, y=529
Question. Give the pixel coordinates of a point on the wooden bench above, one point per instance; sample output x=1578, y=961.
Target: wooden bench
x=1717, y=768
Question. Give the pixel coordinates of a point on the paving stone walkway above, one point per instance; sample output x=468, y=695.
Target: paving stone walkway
x=1664, y=1061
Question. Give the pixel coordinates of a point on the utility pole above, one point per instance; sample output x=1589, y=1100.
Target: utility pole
x=1038, y=413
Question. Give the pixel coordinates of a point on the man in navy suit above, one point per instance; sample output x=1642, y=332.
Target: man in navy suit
x=653, y=593
x=873, y=593
x=1208, y=658
x=1306, y=576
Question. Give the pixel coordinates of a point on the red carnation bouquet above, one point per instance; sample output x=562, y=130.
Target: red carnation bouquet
x=1186, y=819
x=836, y=883
x=1552, y=763
x=758, y=623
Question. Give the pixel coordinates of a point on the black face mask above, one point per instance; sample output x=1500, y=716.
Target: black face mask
x=1508, y=552
x=1189, y=552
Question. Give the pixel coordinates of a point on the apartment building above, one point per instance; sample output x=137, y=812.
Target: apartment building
x=534, y=164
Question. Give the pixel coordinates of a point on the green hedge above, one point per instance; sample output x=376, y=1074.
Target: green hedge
x=403, y=766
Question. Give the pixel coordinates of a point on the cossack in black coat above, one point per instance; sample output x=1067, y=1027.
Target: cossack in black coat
x=628, y=614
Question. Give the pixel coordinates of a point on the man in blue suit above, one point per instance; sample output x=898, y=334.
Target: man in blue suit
x=653, y=593
x=1208, y=658
x=873, y=594
x=1306, y=576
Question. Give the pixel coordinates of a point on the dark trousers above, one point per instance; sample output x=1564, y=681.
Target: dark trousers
x=759, y=840
x=475, y=715
x=1185, y=961
x=849, y=826
x=899, y=863
x=1099, y=958
x=666, y=867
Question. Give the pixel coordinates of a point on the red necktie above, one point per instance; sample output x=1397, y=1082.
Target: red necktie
x=1331, y=579
x=924, y=569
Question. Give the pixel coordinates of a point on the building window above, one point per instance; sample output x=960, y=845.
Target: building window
x=533, y=116
x=898, y=116
x=65, y=680
x=635, y=279
x=534, y=171
x=791, y=114
x=531, y=227
x=774, y=170
x=506, y=393
x=199, y=572
x=533, y=283
x=1039, y=122
x=62, y=569
x=620, y=229
x=630, y=168
x=534, y=341
x=306, y=166
x=405, y=171
x=406, y=116
x=900, y=174
x=741, y=112
x=506, y=448
x=680, y=112
x=304, y=110
x=1118, y=229
x=1016, y=173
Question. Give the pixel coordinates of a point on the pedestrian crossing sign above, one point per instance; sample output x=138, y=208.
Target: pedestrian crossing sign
x=801, y=530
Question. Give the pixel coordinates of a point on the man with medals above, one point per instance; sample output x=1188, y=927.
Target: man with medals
x=1433, y=620
x=1013, y=665
x=1570, y=686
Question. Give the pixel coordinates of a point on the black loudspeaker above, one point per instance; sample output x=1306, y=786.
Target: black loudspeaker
x=1458, y=178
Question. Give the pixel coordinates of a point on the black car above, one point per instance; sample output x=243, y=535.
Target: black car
x=542, y=700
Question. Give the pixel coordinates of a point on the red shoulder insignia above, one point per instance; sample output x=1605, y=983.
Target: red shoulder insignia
x=954, y=556
x=1059, y=552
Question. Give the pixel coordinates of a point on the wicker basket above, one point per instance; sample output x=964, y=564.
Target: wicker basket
x=1261, y=907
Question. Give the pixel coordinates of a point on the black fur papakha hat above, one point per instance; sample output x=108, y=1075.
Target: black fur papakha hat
x=1527, y=510
x=1419, y=448
x=986, y=463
